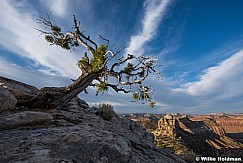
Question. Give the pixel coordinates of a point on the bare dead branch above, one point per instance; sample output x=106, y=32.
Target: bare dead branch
x=129, y=57
x=77, y=31
x=115, y=87
x=101, y=66
x=105, y=40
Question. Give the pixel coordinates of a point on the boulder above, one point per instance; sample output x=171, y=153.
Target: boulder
x=76, y=103
x=23, y=92
x=7, y=100
x=70, y=134
x=94, y=140
x=24, y=119
x=70, y=116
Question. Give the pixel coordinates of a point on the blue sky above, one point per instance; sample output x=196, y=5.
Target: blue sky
x=199, y=44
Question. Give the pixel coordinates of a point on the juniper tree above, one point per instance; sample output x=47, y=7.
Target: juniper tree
x=100, y=67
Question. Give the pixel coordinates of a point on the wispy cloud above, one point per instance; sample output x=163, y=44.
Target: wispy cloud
x=154, y=12
x=219, y=89
x=19, y=36
x=32, y=77
x=58, y=7
x=114, y=104
x=224, y=79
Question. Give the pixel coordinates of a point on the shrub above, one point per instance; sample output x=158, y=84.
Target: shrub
x=106, y=111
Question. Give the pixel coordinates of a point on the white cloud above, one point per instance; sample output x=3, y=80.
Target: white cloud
x=115, y=104
x=58, y=7
x=154, y=11
x=218, y=89
x=224, y=80
x=31, y=77
x=19, y=36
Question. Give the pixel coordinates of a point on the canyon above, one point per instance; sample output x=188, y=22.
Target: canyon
x=73, y=133
x=206, y=135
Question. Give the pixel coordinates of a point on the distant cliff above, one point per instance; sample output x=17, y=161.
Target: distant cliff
x=71, y=134
x=203, y=135
x=233, y=126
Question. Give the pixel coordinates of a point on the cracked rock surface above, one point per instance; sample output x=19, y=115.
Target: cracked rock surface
x=74, y=134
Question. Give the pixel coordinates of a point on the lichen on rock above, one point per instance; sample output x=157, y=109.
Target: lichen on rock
x=74, y=133
x=7, y=100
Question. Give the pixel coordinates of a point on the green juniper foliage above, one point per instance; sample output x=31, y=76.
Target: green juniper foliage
x=56, y=30
x=135, y=96
x=144, y=95
x=102, y=87
x=99, y=58
x=106, y=111
x=128, y=70
x=102, y=67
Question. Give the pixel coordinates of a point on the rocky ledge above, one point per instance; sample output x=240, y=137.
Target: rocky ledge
x=70, y=134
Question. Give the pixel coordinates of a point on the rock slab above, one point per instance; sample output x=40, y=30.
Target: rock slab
x=25, y=118
x=7, y=100
x=23, y=92
x=71, y=134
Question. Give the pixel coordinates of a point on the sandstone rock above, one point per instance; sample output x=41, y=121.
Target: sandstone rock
x=77, y=103
x=93, y=110
x=62, y=122
x=71, y=134
x=185, y=117
x=21, y=91
x=68, y=116
x=83, y=104
x=85, y=142
x=166, y=127
x=7, y=100
x=168, y=116
x=22, y=119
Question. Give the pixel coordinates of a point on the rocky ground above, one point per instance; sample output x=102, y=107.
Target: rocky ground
x=214, y=135
x=232, y=124
x=71, y=134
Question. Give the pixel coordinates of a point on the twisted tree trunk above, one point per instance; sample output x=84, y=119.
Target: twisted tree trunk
x=80, y=85
x=55, y=97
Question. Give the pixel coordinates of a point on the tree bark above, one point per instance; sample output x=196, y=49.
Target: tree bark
x=76, y=88
x=56, y=97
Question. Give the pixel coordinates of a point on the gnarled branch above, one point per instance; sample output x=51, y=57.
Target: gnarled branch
x=102, y=65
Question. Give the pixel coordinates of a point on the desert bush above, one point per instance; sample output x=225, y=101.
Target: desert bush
x=105, y=111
